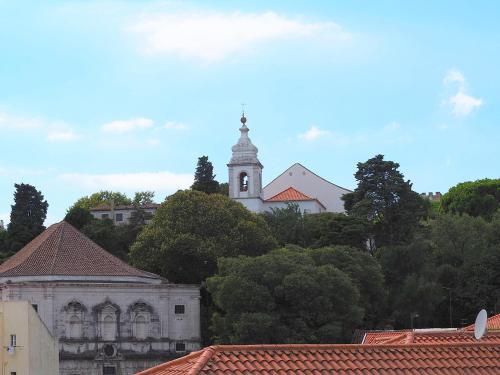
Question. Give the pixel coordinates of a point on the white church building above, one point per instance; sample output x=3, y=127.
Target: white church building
x=297, y=184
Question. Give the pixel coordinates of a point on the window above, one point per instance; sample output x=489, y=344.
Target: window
x=35, y=306
x=109, y=328
x=180, y=347
x=140, y=327
x=307, y=211
x=119, y=217
x=13, y=340
x=109, y=370
x=180, y=309
x=104, y=216
x=75, y=327
x=243, y=181
x=109, y=350
x=13, y=373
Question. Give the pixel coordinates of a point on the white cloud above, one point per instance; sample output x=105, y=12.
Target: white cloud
x=393, y=126
x=12, y=122
x=461, y=103
x=163, y=181
x=125, y=126
x=213, y=36
x=313, y=133
x=454, y=76
x=175, y=125
x=62, y=133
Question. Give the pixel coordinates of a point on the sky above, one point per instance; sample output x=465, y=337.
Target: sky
x=126, y=95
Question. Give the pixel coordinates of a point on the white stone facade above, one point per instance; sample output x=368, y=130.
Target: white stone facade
x=113, y=328
x=309, y=183
x=120, y=215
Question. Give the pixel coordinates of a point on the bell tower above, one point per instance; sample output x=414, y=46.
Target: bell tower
x=245, y=171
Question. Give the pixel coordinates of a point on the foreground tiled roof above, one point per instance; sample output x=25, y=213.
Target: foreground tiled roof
x=426, y=337
x=105, y=207
x=470, y=359
x=493, y=324
x=289, y=194
x=63, y=251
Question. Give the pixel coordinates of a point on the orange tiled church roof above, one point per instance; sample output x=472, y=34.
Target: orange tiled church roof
x=436, y=359
x=289, y=194
x=63, y=251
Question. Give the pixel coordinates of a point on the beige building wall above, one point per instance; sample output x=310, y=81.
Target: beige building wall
x=35, y=351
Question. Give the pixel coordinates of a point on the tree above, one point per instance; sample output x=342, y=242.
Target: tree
x=385, y=199
x=114, y=238
x=477, y=198
x=328, y=228
x=282, y=297
x=102, y=197
x=411, y=284
x=78, y=217
x=204, y=178
x=27, y=216
x=191, y=230
x=365, y=272
x=142, y=198
x=286, y=224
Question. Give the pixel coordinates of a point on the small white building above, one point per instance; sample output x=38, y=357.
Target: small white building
x=109, y=317
x=121, y=214
x=297, y=184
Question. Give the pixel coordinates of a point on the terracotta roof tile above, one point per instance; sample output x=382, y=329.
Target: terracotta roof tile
x=426, y=337
x=493, y=324
x=440, y=359
x=288, y=195
x=63, y=251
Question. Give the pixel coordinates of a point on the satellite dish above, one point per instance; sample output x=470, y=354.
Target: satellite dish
x=10, y=350
x=481, y=324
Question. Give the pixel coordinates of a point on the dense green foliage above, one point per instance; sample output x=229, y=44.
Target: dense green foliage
x=102, y=197
x=192, y=230
x=477, y=198
x=284, y=296
x=290, y=226
x=386, y=200
x=26, y=218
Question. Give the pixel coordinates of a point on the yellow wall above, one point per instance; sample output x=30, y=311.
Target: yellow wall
x=36, y=352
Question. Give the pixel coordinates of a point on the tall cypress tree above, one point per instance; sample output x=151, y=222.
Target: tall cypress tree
x=27, y=216
x=204, y=178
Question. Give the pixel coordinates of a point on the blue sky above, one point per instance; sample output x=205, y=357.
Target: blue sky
x=127, y=95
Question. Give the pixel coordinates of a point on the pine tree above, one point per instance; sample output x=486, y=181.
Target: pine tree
x=27, y=216
x=204, y=178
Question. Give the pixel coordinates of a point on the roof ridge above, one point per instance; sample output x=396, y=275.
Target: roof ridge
x=176, y=361
x=224, y=348
x=61, y=230
x=207, y=354
x=297, y=163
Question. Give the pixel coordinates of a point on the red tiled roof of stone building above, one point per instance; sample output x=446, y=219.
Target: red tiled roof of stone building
x=435, y=359
x=63, y=251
